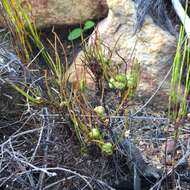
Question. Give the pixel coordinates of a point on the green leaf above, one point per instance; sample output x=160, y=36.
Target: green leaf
x=22, y=92
x=74, y=34
x=88, y=25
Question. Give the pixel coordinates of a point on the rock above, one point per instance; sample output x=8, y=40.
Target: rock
x=153, y=47
x=61, y=12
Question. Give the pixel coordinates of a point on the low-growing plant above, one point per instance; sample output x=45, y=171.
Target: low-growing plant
x=58, y=94
x=98, y=58
x=79, y=32
x=132, y=81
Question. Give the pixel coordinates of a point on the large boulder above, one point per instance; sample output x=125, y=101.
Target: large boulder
x=61, y=12
x=152, y=46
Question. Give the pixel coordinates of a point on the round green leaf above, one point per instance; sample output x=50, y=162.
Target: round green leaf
x=74, y=34
x=88, y=25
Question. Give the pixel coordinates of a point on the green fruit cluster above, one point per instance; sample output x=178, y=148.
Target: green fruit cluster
x=107, y=148
x=95, y=134
x=119, y=82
